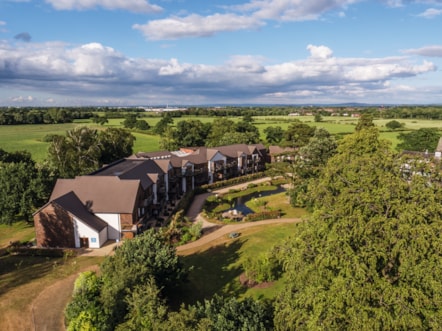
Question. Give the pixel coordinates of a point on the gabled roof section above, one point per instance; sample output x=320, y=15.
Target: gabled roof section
x=234, y=151
x=104, y=194
x=274, y=150
x=138, y=169
x=165, y=165
x=71, y=203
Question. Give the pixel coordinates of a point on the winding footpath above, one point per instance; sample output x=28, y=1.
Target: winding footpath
x=212, y=231
x=46, y=307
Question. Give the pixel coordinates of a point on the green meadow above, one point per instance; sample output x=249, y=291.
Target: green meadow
x=216, y=267
x=31, y=137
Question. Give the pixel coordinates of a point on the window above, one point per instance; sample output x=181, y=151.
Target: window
x=93, y=240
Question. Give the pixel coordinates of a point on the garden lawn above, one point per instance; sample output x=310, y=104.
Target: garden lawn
x=19, y=231
x=278, y=201
x=216, y=268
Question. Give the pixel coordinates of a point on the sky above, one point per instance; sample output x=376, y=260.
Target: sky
x=214, y=52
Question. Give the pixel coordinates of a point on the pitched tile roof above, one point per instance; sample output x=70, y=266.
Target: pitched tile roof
x=105, y=194
x=73, y=205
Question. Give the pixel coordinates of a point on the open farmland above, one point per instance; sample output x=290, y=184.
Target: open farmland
x=31, y=137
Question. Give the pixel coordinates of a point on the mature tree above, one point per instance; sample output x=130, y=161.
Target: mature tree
x=318, y=117
x=274, y=134
x=369, y=257
x=75, y=154
x=421, y=140
x=139, y=260
x=24, y=185
x=146, y=309
x=249, y=128
x=247, y=118
x=84, y=311
x=130, y=121
x=100, y=119
x=238, y=138
x=298, y=134
x=220, y=127
x=115, y=144
x=219, y=313
x=167, y=141
x=364, y=122
x=162, y=125
x=142, y=125
x=84, y=150
x=191, y=133
x=393, y=125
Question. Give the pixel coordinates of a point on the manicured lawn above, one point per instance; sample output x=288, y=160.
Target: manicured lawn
x=279, y=201
x=18, y=231
x=216, y=269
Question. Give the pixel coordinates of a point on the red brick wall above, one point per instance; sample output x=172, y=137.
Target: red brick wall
x=54, y=227
x=126, y=219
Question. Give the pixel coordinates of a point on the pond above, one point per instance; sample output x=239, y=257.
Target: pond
x=239, y=204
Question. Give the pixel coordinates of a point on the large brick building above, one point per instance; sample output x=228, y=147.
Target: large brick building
x=117, y=200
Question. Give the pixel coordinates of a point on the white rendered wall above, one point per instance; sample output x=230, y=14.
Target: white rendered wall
x=84, y=231
x=114, y=228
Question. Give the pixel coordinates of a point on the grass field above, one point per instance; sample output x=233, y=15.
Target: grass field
x=19, y=231
x=217, y=266
x=30, y=137
x=23, y=278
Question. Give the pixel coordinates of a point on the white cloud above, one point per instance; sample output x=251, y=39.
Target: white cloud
x=432, y=51
x=96, y=72
x=2, y=23
x=251, y=15
x=292, y=10
x=131, y=5
x=196, y=26
x=322, y=52
x=430, y=13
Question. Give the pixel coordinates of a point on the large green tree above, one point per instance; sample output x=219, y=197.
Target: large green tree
x=115, y=144
x=220, y=127
x=298, y=134
x=146, y=258
x=369, y=257
x=308, y=163
x=274, y=134
x=84, y=150
x=421, y=140
x=191, y=133
x=161, y=126
x=24, y=185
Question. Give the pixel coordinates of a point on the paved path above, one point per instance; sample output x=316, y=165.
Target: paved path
x=226, y=229
x=213, y=231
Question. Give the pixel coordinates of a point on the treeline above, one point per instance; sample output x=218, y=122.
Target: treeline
x=13, y=116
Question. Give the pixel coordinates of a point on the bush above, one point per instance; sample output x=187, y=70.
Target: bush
x=263, y=216
x=265, y=268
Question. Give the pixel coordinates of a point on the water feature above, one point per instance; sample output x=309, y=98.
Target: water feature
x=239, y=204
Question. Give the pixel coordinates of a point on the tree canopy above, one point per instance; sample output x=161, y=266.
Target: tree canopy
x=369, y=257
x=83, y=150
x=421, y=140
x=24, y=185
